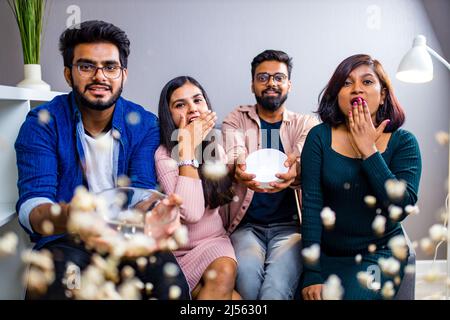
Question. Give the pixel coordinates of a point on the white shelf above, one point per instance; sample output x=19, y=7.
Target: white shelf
x=15, y=103
x=22, y=94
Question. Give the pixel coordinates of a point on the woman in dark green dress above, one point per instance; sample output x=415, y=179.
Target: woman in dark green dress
x=365, y=170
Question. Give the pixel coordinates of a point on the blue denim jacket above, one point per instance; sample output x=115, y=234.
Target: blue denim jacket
x=50, y=157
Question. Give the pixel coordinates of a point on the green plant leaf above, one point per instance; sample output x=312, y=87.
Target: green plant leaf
x=29, y=16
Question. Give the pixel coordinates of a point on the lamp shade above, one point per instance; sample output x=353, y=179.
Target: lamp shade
x=416, y=66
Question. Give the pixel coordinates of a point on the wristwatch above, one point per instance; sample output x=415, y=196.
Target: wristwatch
x=194, y=163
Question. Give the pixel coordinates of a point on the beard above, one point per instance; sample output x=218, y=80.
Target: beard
x=97, y=104
x=271, y=103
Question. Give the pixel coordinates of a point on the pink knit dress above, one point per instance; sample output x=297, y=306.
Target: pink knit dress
x=207, y=237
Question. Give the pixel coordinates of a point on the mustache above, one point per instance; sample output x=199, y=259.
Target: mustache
x=96, y=84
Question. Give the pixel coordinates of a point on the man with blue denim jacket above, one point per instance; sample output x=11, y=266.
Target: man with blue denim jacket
x=90, y=137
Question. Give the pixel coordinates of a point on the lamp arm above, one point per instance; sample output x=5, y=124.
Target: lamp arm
x=437, y=56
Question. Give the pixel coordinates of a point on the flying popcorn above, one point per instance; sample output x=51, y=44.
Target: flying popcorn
x=395, y=212
x=47, y=227
x=438, y=232
x=44, y=117
x=388, y=290
x=328, y=218
x=142, y=263
x=140, y=245
x=442, y=138
x=389, y=266
x=127, y=272
x=365, y=279
x=395, y=189
x=108, y=266
x=129, y=290
x=82, y=200
x=311, y=254
x=426, y=245
x=123, y=181
x=399, y=247
x=214, y=170
x=370, y=201
x=379, y=225
x=181, y=235
x=174, y=292
x=115, y=134
x=332, y=288
x=171, y=270
x=412, y=210
x=55, y=210
x=358, y=258
x=35, y=282
x=133, y=118
x=149, y=288
x=40, y=272
x=372, y=248
x=211, y=274
x=8, y=244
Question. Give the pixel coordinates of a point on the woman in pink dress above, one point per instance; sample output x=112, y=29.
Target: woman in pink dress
x=207, y=260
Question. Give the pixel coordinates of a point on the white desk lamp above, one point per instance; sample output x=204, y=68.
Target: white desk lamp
x=417, y=67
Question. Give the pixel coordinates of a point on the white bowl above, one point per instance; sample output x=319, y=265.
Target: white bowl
x=265, y=163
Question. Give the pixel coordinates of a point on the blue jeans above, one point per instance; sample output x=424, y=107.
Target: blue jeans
x=269, y=260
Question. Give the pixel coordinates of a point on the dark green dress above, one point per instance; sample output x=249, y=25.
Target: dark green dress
x=330, y=179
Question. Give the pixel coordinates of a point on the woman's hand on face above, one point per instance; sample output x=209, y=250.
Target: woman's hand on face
x=362, y=129
x=191, y=135
x=313, y=292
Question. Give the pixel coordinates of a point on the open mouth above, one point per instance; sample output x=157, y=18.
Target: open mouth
x=192, y=119
x=356, y=100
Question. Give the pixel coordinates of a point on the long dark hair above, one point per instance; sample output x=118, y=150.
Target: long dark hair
x=216, y=192
x=329, y=111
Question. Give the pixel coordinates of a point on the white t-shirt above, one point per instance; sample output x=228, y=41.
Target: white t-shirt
x=99, y=161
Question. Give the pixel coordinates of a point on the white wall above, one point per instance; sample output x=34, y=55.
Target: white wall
x=215, y=41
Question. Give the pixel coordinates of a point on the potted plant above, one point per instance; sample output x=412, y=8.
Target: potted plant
x=29, y=16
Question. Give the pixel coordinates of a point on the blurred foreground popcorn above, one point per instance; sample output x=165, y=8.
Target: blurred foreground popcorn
x=395, y=212
x=328, y=218
x=438, y=232
x=389, y=266
x=399, y=247
x=8, y=244
x=214, y=170
x=311, y=254
x=442, y=138
x=332, y=289
x=388, y=291
x=395, y=189
x=40, y=272
x=371, y=201
x=379, y=225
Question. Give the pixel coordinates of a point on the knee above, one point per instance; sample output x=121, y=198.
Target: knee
x=222, y=276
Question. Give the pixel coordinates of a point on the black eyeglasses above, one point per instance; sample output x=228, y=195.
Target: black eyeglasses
x=88, y=70
x=264, y=77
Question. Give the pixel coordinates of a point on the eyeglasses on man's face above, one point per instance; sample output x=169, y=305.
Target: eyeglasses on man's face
x=264, y=77
x=88, y=70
